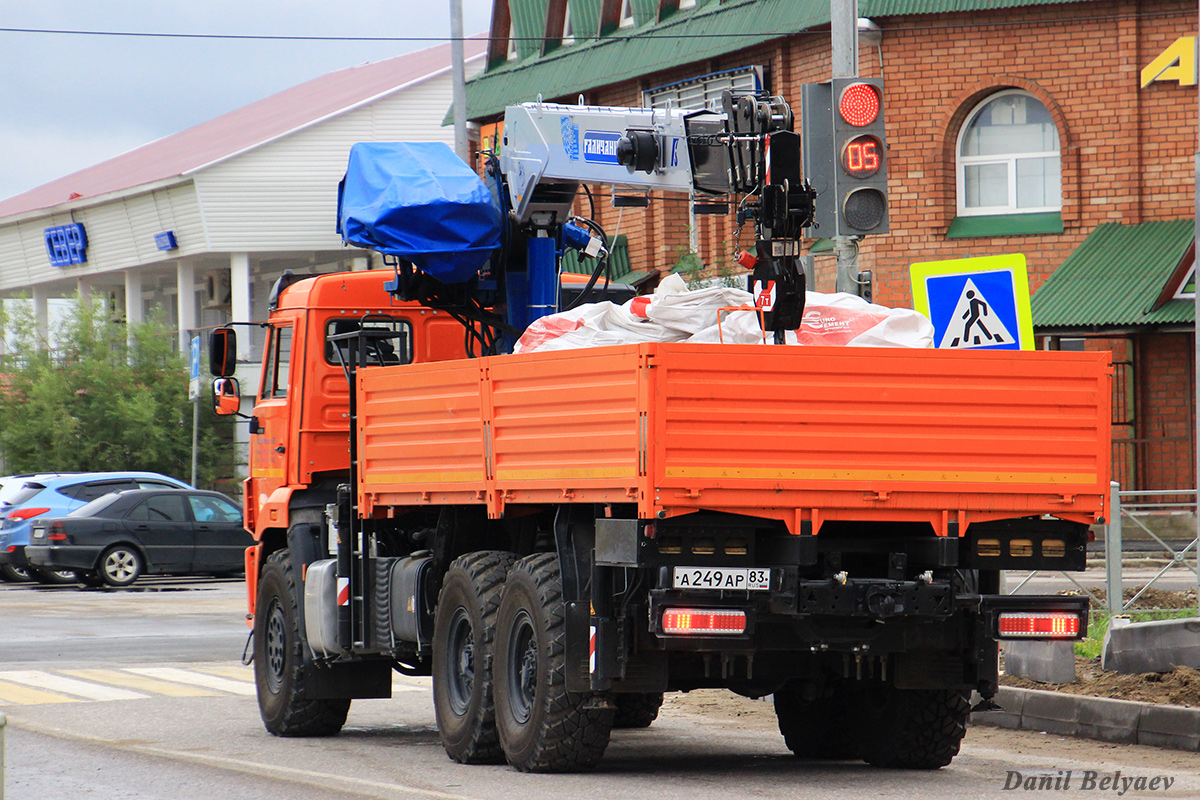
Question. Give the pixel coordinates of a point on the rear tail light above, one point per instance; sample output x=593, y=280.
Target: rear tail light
x=704, y=621
x=56, y=533
x=1038, y=625
x=22, y=514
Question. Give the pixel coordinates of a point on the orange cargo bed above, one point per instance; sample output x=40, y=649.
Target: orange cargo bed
x=789, y=433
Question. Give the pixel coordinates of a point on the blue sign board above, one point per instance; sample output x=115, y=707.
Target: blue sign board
x=166, y=241
x=66, y=244
x=976, y=303
x=600, y=147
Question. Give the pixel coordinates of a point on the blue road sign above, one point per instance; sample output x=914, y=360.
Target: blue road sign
x=976, y=303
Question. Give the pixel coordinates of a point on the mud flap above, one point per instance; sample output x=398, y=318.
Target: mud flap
x=351, y=681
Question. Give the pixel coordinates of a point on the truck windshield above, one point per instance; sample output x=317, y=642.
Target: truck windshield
x=394, y=347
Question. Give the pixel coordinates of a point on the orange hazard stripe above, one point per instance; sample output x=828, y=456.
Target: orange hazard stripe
x=924, y=476
x=461, y=476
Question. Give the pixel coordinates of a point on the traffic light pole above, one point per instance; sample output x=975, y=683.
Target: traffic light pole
x=843, y=30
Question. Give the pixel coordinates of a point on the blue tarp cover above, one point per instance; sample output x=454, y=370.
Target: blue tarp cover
x=420, y=202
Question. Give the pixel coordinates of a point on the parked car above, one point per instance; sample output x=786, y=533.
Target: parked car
x=122, y=536
x=54, y=495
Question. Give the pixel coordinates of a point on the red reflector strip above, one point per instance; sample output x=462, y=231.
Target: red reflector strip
x=703, y=620
x=1039, y=625
x=57, y=537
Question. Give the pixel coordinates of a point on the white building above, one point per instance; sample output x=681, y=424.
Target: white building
x=201, y=223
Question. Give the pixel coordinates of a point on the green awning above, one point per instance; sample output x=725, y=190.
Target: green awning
x=1118, y=278
x=1005, y=225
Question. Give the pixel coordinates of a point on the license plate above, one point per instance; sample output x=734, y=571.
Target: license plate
x=733, y=579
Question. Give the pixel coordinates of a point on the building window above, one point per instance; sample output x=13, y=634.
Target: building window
x=1008, y=158
x=627, y=20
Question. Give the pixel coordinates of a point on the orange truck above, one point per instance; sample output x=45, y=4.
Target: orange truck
x=559, y=538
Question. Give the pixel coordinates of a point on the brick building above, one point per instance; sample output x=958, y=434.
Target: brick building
x=1064, y=131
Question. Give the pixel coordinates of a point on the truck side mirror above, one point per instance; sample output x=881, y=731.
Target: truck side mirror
x=222, y=352
x=227, y=397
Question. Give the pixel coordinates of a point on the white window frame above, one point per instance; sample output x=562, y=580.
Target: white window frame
x=1010, y=162
x=568, y=32
x=627, y=19
x=1181, y=293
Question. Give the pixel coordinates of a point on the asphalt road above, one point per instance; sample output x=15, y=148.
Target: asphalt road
x=141, y=694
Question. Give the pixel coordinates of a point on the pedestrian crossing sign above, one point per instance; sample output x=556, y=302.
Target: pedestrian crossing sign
x=975, y=303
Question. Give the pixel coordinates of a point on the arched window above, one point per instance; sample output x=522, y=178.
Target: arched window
x=1008, y=158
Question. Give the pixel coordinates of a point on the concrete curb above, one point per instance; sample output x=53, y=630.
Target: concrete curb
x=1117, y=721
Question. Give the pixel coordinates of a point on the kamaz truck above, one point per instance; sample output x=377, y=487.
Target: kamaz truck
x=559, y=538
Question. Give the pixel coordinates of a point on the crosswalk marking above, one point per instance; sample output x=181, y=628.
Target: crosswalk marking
x=235, y=673
x=195, y=678
x=142, y=683
x=71, y=686
x=39, y=687
x=22, y=695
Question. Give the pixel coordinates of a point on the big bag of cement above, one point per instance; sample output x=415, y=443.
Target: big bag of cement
x=848, y=320
x=674, y=314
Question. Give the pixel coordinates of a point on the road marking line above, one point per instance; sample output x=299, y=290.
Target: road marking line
x=117, y=678
x=405, y=683
x=244, y=674
x=57, y=683
x=192, y=678
x=20, y=695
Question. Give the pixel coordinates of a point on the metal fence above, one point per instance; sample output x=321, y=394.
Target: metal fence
x=1135, y=510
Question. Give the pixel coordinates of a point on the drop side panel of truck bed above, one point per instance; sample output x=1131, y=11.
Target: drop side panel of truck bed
x=792, y=433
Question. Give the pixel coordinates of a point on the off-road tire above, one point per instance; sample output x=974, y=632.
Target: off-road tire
x=542, y=726
x=821, y=728
x=464, y=631
x=638, y=710
x=280, y=669
x=912, y=728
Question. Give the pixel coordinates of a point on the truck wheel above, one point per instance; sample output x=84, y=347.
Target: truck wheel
x=542, y=726
x=638, y=710
x=464, y=630
x=912, y=728
x=279, y=666
x=820, y=728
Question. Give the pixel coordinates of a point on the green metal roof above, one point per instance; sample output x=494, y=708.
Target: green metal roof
x=712, y=29
x=1114, y=278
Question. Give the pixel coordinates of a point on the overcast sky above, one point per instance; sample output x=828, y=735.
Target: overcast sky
x=68, y=101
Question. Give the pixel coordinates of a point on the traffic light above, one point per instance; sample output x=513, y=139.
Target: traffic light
x=845, y=155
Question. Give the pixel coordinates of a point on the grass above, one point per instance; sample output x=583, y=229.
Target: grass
x=1092, y=646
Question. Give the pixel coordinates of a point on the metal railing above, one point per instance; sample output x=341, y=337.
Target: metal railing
x=1134, y=508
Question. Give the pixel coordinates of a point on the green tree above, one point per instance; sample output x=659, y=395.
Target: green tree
x=89, y=401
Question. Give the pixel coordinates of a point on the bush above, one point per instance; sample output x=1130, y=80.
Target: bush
x=89, y=401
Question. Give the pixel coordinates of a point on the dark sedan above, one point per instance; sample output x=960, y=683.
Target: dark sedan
x=119, y=537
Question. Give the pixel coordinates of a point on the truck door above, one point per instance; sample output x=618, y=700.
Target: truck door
x=268, y=451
